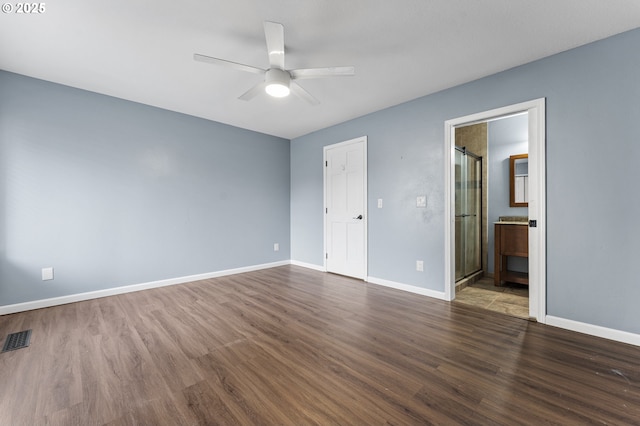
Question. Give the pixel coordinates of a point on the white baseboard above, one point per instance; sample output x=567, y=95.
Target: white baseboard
x=406, y=287
x=594, y=330
x=309, y=266
x=385, y=283
x=54, y=301
x=580, y=327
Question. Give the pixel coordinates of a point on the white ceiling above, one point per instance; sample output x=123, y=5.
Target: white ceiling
x=142, y=50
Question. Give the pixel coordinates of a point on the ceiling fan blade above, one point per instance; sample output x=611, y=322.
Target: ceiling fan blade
x=302, y=93
x=253, y=92
x=274, y=34
x=322, y=72
x=235, y=65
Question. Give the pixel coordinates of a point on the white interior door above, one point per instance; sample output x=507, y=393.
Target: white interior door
x=345, y=208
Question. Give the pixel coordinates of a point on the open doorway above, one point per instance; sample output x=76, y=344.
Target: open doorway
x=483, y=184
x=530, y=223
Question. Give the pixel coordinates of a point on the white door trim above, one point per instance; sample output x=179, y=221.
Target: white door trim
x=363, y=140
x=537, y=200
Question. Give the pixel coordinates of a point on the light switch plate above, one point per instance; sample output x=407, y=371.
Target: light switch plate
x=47, y=274
x=421, y=201
x=379, y=203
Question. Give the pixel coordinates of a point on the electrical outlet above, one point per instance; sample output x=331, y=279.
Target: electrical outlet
x=421, y=201
x=419, y=265
x=276, y=247
x=47, y=274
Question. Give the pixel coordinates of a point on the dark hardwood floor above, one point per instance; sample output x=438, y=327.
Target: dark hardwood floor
x=296, y=347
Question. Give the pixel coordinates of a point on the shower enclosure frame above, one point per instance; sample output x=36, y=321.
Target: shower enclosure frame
x=468, y=215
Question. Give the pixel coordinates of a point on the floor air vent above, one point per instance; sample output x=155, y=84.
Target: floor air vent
x=17, y=340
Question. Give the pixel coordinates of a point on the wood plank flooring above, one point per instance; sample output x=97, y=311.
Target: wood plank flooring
x=293, y=346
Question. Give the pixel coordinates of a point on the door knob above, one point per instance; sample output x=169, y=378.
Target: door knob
x=359, y=217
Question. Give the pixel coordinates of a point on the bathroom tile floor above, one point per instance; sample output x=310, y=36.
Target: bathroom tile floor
x=511, y=299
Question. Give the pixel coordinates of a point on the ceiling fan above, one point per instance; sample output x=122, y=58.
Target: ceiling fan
x=278, y=81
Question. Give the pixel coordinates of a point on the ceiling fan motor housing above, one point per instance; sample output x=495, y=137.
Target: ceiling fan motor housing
x=277, y=82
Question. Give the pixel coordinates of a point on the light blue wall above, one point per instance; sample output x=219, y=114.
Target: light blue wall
x=399, y=169
x=592, y=97
x=505, y=137
x=113, y=193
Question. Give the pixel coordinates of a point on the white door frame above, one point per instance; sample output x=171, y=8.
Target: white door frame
x=363, y=140
x=537, y=200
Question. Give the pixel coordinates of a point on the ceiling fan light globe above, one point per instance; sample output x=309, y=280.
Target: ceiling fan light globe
x=277, y=82
x=277, y=90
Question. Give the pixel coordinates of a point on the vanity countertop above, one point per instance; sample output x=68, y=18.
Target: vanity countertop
x=511, y=222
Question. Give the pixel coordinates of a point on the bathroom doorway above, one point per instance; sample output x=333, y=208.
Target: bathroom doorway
x=486, y=195
x=534, y=227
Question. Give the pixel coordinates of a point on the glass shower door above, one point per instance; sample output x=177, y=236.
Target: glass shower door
x=468, y=213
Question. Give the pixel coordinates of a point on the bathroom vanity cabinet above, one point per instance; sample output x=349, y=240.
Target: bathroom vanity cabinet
x=511, y=239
